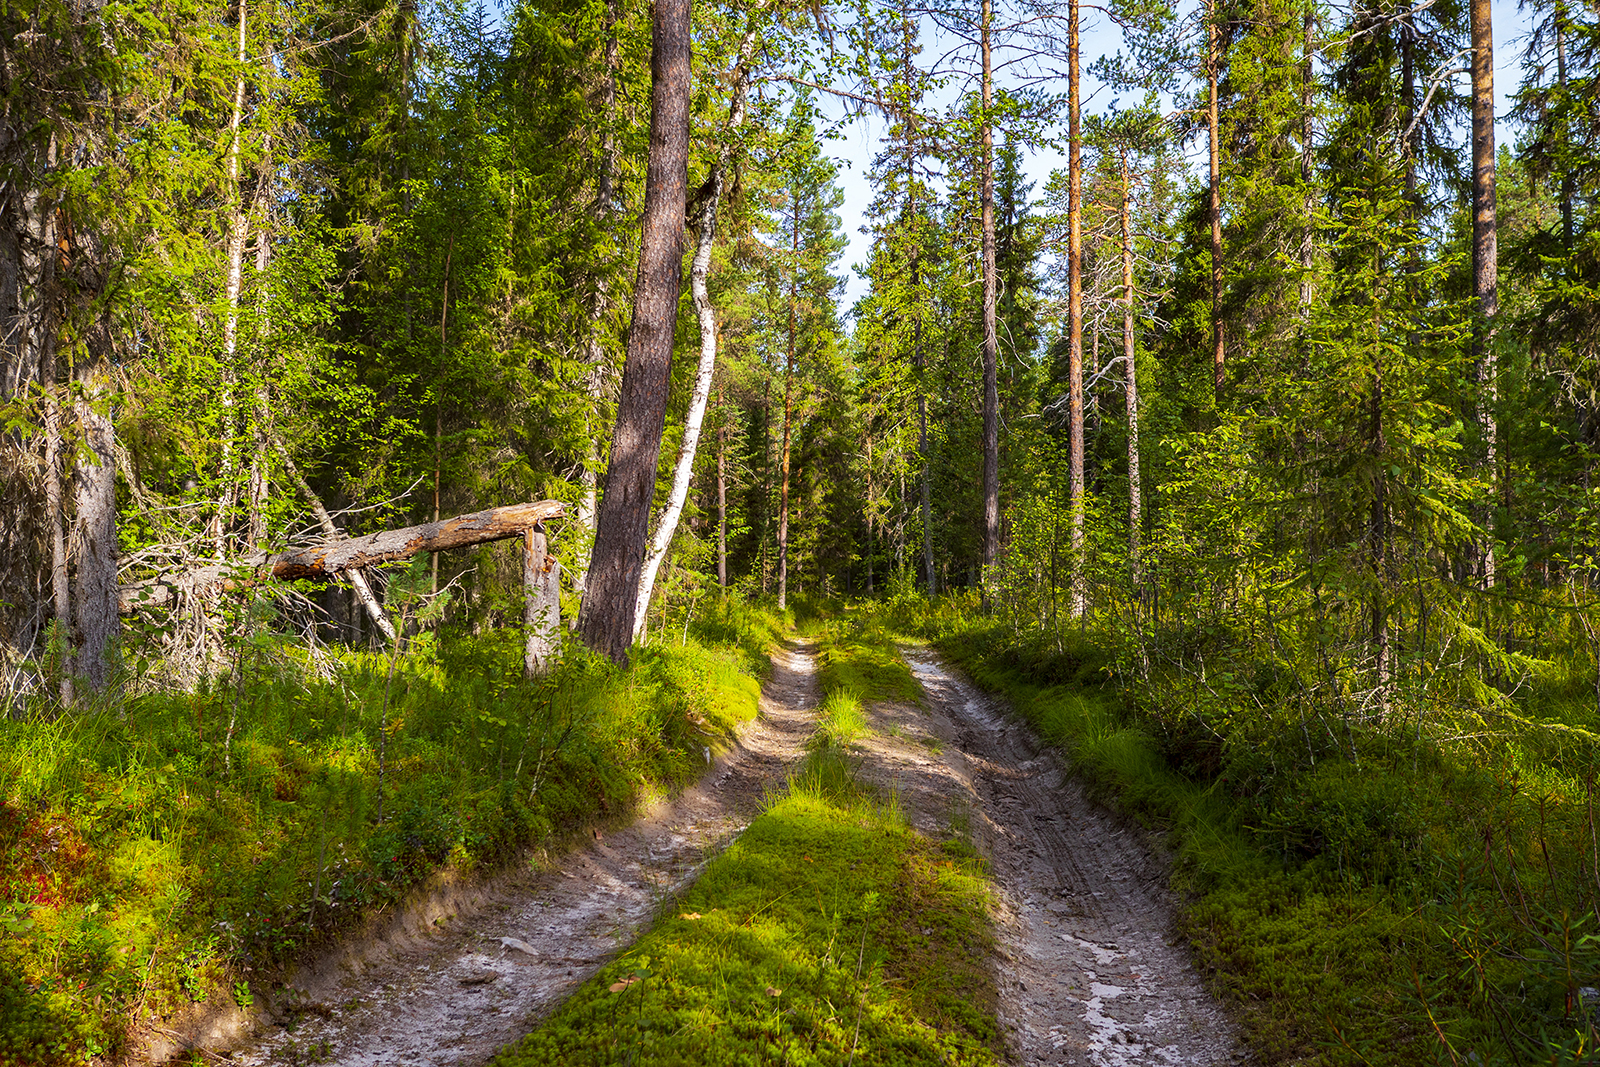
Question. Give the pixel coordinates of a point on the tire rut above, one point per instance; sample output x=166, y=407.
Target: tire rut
x=1089, y=970
x=458, y=975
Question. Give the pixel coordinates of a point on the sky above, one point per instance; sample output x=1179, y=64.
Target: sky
x=860, y=140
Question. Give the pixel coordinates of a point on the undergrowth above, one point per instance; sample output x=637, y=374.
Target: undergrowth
x=1363, y=892
x=827, y=933
x=184, y=846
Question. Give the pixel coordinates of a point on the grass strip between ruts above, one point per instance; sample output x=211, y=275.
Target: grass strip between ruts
x=829, y=932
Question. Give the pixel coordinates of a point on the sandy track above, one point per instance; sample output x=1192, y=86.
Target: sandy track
x=1088, y=971
x=450, y=985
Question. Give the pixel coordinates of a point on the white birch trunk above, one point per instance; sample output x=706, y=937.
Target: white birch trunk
x=695, y=419
x=230, y=323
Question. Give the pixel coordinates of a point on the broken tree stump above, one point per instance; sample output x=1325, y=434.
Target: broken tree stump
x=541, y=604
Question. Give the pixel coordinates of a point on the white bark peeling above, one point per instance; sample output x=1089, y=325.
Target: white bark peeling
x=694, y=421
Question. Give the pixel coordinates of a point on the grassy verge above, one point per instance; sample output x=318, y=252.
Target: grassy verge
x=1365, y=898
x=828, y=932
x=185, y=846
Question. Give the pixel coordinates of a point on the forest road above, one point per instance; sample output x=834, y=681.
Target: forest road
x=1090, y=971
x=456, y=979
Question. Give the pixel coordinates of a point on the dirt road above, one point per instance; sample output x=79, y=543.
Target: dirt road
x=1089, y=971
x=447, y=987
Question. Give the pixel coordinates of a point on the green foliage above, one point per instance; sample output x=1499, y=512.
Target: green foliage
x=828, y=931
x=164, y=857
x=1368, y=892
x=859, y=658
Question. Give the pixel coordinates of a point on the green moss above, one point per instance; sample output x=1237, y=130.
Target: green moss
x=159, y=857
x=827, y=931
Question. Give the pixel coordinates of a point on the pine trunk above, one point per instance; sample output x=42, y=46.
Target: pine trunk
x=600, y=297
x=788, y=416
x=694, y=419
x=991, y=337
x=1075, y=485
x=606, y=619
x=1485, y=265
x=96, y=603
x=1214, y=173
x=722, y=501
x=238, y=223
x=1131, y=381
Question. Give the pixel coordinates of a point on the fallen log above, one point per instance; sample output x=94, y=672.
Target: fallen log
x=495, y=524
x=332, y=558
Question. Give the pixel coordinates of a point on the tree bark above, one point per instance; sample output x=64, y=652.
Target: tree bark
x=95, y=607
x=237, y=232
x=788, y=416
x=541, y=603
x=44, y=345
x=1075, y=486
x=1131, y=382
x=605, y=621
x=1307, y=232
x=991, y=336
x=348, y=555
x=600, y=299
x=722, y=500
x=387, y=546
x=1485, y=264
x=358, y=581
x=1214, y=174
x=700, y=269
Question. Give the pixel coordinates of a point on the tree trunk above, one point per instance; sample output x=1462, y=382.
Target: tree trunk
x=694, y=419
x=237, y=232
x=871, y=501
x=1308, y=229
x=600, y=298
x=541, y=603
x=358, y=581
x=606, y=618
x=788, y=416
x=386, y=546
x=1131, y=391
x=95, y=527
x=1379, y=531
x=438, y=404
x=722, y=500
x=43, y=333
x=1075, y=486
x=1214, y=172
x=1485, y=268
x=991, y=337
x=261, y=461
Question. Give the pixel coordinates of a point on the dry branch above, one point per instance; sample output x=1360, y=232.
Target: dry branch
x=335, y=557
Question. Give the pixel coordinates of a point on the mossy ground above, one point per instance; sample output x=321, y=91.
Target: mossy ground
x=829, y=932
x=1376, y=900
x=184, y=846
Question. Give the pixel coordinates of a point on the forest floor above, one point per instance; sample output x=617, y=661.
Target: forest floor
x=1089, y=968
x=452, y=988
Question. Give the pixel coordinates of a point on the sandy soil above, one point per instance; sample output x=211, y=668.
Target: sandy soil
x=1089, y=969
x=454, y=987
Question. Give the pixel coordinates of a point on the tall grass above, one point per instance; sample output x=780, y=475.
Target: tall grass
x=186, y=844
x=1412, y=888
